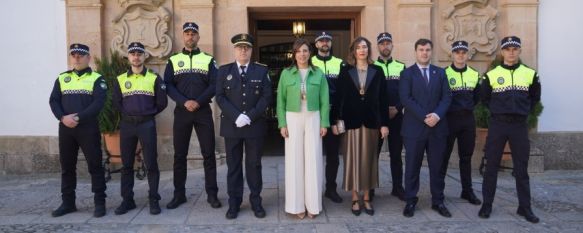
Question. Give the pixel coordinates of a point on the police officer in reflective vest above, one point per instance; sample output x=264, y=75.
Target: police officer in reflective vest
x=139, y=94
x=511, y=91
x=330, y=66
x=464, y=84
x=77, y=97
x=190, y=76
x=243, y=94
x=392, y=69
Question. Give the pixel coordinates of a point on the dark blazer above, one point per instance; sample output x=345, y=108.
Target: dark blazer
x=370, y=109
x=251, y=98
x=419, y=99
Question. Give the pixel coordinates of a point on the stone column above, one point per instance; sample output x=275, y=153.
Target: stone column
x=520, y=18
x=414, y=22
x=84, y=24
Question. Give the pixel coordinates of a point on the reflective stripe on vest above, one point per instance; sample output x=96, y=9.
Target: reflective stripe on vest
x=72, y=84
x=466, y=81
x=136, y=84
x=392, y=70
x=199, y=64
x=331, y=68
x=503, y=80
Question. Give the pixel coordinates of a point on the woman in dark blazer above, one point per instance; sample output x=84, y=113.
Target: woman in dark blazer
x=362, y=105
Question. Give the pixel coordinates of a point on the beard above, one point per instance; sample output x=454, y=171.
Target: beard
x=324, y=49
x=386, y=53
x=190, y=44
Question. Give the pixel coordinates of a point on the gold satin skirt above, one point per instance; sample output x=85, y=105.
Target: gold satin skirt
x=361, y=163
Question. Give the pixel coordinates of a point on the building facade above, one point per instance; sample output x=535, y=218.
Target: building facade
x=38, y=53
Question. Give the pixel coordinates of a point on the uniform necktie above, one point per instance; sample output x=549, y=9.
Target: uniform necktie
x=243, y=74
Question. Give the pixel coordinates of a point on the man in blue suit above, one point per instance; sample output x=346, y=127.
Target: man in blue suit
x=425, y=96
x=243, y=94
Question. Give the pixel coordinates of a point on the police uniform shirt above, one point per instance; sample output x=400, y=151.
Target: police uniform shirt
x=82, y=92
x=465, y=87
x=511, y=89
x=191, y=75
x=141, y=94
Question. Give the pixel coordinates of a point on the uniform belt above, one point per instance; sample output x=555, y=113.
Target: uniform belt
x=136, y=119
x=509, y=118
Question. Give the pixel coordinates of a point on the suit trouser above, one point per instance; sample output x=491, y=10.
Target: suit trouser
x=130, y=133
x=463, y=128
x=415, y=148
x=499, y=133
x=253, y=153
x=331, y=145
x=89, y=139
x=202, y=121
x=303, y=163
x=395, y=141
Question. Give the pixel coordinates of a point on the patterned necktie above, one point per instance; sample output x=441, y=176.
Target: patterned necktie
x=243, y=74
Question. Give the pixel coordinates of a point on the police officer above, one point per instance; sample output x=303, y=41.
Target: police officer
x=190, y=76
x=243, y=94
x=77, y=97
x=392, y=69
x=510, y=90
x=463, y=82
x=330, y=66
x=139, y=94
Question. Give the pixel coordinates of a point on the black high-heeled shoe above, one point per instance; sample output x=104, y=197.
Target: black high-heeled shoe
x=357, y=211
x=366, y=210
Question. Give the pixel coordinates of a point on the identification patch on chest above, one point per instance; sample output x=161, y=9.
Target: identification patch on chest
x=128, y=84
x=452, y=81
x=500, y=80
x=256, y=80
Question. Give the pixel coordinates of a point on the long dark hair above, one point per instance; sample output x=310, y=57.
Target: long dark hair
x=351, y=59
x=297, y=44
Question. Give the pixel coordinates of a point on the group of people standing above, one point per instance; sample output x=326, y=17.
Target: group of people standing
x=324, y=105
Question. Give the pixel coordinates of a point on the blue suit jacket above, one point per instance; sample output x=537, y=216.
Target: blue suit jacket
x=419, y=99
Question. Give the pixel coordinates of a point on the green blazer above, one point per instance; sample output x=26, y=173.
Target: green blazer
x=289, y=99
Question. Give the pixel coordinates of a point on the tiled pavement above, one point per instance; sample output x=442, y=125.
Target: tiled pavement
x=26, y=203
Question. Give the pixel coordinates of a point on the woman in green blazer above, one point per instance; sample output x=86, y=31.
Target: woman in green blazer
x=303, y=110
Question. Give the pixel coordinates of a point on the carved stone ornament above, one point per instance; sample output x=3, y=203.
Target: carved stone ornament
x=144, y=21
x=474, y=23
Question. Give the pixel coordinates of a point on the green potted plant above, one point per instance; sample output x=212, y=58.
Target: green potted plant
x=110, y=67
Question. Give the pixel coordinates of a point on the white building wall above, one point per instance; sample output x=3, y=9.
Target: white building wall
x=34, y=52
x=560, y=65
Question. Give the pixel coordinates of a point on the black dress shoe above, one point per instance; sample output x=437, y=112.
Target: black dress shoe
x=399, y=193
x=471, y=198
x=125, y=207
x=232, y=213
x=356, y=212
x=99, y=210
x=333, y=195
x=366, y=210
x=154, y=207
x=442, y=210
x=409, y=210
x=64, y=209
x=259, y=211
x=485, y=211
x=214, y=201
x=176, y=201
x=527, y=214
